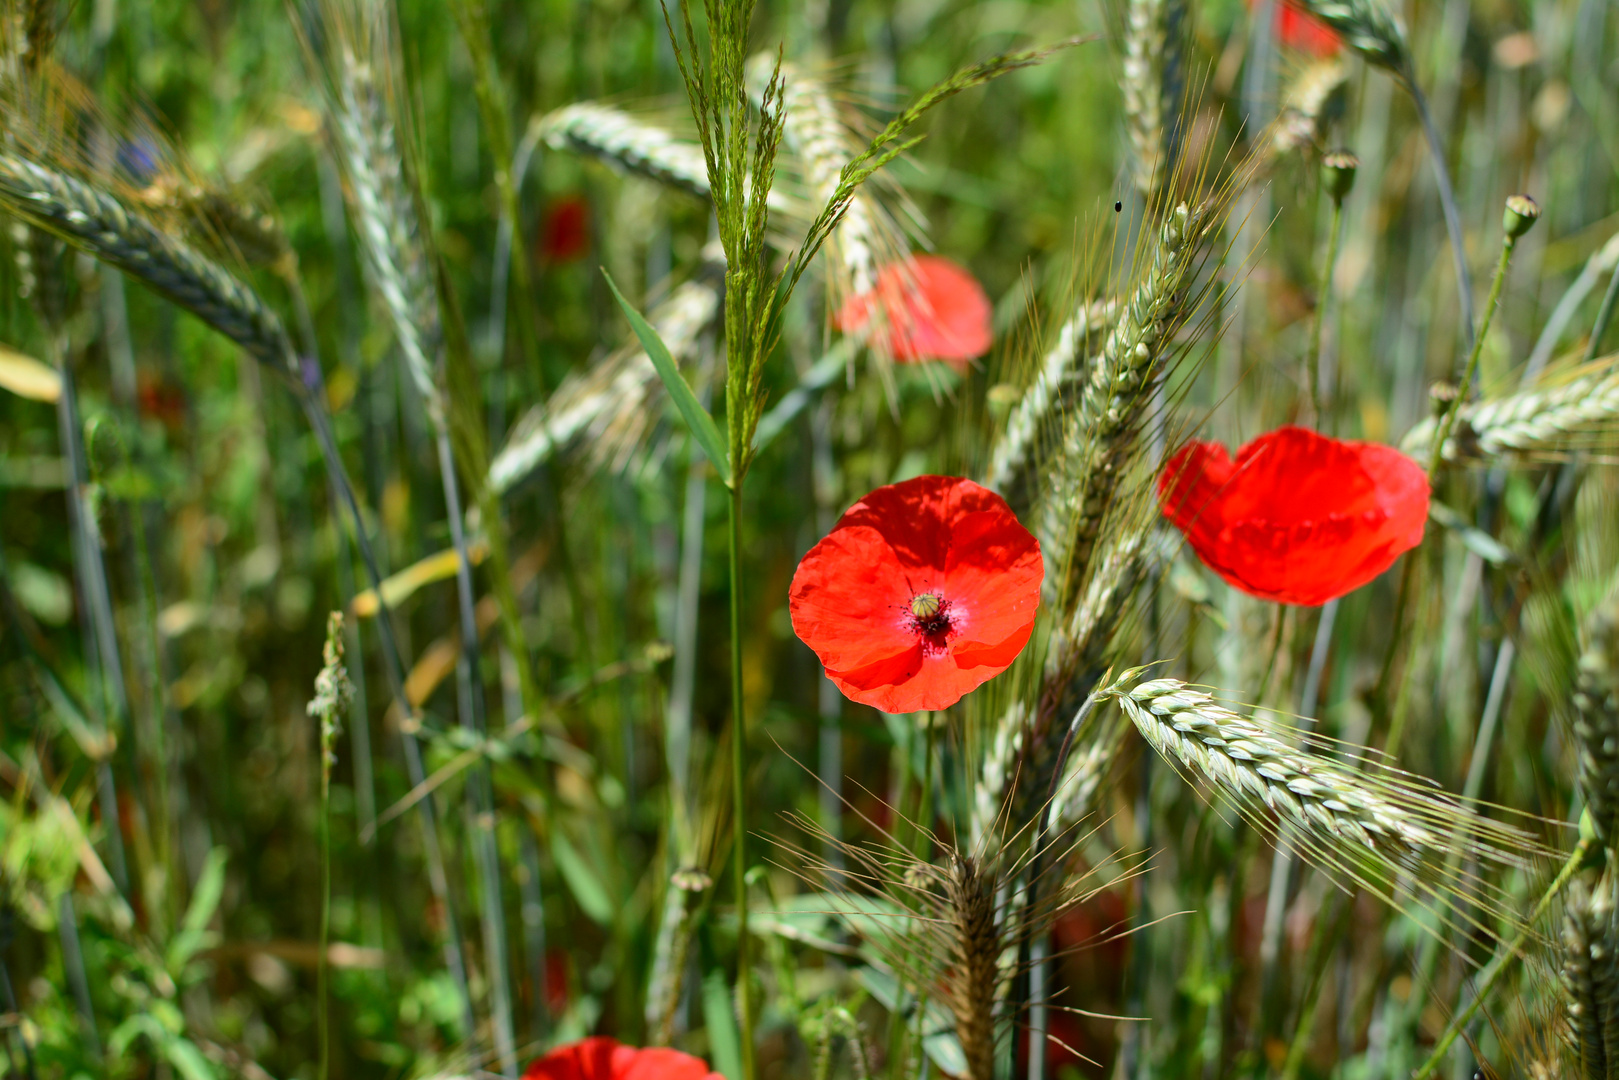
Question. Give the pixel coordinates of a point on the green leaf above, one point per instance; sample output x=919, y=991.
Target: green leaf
x=720, y=1020
x=188, y=1060
x=210, y=887
x=582, y=881
x=702, y=425
x=938, y=1036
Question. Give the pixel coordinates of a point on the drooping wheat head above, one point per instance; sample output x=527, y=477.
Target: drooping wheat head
x=1537, y=424
x=1308, y=103
x=114, y=232
x=628, y=144
x=1369, y=27
x=1375, y=827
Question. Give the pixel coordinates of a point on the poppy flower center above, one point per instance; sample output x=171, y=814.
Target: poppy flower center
x=930, y=617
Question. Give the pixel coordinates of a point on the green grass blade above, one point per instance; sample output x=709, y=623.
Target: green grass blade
x=702, y=425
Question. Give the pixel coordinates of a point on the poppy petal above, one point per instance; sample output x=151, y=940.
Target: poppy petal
x=929, y=308
x=854, y=598
x=849, y=598
x=1297, y=517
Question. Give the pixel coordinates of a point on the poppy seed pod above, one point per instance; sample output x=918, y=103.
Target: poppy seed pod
x=1339, y=168
x=923, y=591
x=1520, y=216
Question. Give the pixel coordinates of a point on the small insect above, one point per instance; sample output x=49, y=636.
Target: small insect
x=926, y=606
x=1117, y=206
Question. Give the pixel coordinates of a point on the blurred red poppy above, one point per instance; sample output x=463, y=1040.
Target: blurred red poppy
x=923, y=591
x=565, y=229
x=601, y=1058
x=1297, y=517
x=930, y=309
x=1298, y=29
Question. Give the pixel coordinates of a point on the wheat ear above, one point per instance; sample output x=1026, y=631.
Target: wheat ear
x=104, y=227
x=1596, y=719
x=1151, y=59
x=976, y=943
x=388, y=227
x=630, y=145
x=1590, y=976
x=1307, y=104
x=1014, y=462
x=1373, y=828
x=1105, y=424
x=1534, y=423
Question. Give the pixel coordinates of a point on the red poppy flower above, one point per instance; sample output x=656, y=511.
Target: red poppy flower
x=565, y=229
x=922, y=591
x=1298, y=29
x=601, y=1058
x=1297, y=517
x=931, y=309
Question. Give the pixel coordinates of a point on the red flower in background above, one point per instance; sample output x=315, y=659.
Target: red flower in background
x=565, y=229
x=930, y=309
x=923, y=591
x=1298, y=517
x=1298, y=29
x=601, y=1058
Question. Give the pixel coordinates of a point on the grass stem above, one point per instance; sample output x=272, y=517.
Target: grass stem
x=1313, y=357
x=739, y=825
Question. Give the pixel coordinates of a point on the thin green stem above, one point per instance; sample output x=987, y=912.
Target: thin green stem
x=739, y=825
x=1502, y=960
x=1435, y=458
x=1313, y=358
x=323, y=1020
x=1449, y=420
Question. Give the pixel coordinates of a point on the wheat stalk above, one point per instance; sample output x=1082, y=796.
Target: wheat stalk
x=1102, y=429
x=1535, y=422
x=103, y=226
x=1014, y=461
x=607, y=404
x=1307, y=103
x=1373, y=828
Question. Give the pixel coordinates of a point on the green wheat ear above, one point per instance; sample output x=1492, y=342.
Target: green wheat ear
x=1374, y=827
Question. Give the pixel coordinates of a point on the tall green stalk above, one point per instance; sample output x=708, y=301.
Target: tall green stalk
x=739, y=829
x=1519, y=217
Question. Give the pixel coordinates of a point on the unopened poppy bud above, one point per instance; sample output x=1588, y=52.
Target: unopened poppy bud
x=1339, y=167
x=691, y=879
x=1521, y=214
x=1440, y=396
